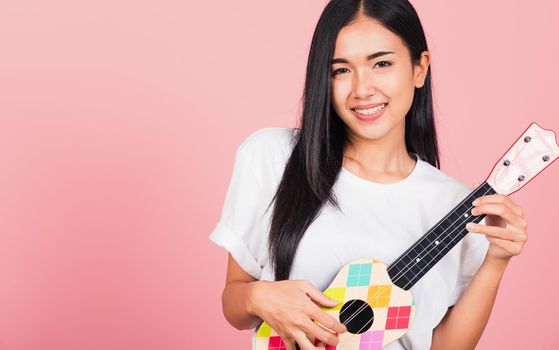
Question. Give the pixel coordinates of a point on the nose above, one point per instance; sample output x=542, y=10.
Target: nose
x=363, y=84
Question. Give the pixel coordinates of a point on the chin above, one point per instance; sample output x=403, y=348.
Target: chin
x=374, y=135
x=374, y=130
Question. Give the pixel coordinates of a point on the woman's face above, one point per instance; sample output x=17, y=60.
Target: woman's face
x=388, y=78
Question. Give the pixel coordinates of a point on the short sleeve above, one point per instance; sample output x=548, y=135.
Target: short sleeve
x=473, y=249
x=237, y=230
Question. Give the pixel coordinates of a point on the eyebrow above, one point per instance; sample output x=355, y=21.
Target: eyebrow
x=370, y=57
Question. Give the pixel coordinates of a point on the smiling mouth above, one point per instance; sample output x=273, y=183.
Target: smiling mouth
x=370, y=111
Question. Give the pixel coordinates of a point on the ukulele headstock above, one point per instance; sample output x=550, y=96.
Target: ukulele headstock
x=532, y=152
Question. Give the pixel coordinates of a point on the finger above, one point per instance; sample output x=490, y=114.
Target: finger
x=317, y=296
x=512, y=248
x=500, y=199
x=303, y=342
x=319, y=345
x=326, y=320
x=287, y=341
x=496, y=232
x=323, y=335
x=499, y=210
x=521, y=228
x=289, y=345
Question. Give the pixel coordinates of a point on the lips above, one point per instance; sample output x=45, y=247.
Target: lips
x=369, y=106
x=369, y=117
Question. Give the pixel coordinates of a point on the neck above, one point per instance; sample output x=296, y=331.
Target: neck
x=382, y=158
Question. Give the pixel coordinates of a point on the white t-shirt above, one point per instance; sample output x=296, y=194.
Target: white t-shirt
x=379, y=221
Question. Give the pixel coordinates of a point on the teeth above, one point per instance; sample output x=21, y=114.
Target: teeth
x=370, y=110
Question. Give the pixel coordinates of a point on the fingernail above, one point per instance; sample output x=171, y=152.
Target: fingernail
x=470, y=226
x=476, y=201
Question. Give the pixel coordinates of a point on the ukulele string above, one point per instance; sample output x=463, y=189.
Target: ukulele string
x=440, y=251
x=408, y=267
x=396, y=277
x=470, y=197
x=433, y=259
x=413, y=262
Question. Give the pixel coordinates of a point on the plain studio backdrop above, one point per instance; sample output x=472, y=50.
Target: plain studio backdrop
x=119, y=122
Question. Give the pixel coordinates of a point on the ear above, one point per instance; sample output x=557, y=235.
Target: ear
x=420, y=70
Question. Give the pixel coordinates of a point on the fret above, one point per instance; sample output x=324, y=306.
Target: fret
x=453, y=216
x=432, y=252
x=424, y=243
x=446, y=222
x=415, y=262
x=415, y=269
x=404, y=278
x=406, y=259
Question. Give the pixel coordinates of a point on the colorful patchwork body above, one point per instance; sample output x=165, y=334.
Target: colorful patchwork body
x=374, y=310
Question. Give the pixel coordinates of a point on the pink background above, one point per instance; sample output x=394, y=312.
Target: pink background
x=118, y=126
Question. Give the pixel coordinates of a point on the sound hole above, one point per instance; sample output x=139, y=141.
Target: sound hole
x=357, y=316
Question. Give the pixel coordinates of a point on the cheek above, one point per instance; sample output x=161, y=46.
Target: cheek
x=392, y=85
x=340, y=94
x=400, y=91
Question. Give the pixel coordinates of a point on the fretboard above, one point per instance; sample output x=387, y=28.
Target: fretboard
x=415, y=262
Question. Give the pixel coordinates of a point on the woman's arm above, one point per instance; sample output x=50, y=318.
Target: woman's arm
x=506, y=230
x=463, y=324
x=236, y=296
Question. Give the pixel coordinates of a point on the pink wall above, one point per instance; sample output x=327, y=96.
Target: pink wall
x=118, y=126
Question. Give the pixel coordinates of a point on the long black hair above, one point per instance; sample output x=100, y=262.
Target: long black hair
x=316, y=160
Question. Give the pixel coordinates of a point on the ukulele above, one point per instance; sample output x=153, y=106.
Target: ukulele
x=376, y=305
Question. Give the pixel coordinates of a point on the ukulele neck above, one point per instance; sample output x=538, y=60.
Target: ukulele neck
x=415, y=262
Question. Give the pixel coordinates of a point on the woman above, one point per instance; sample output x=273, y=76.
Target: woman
x=359, y=178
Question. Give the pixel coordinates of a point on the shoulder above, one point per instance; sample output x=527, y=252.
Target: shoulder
x=273, y=143
x=268, y=139
x=267, y=150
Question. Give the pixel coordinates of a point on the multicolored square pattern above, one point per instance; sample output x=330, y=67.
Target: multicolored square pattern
x=367, y=280
x=276, y=343
x=398, y=317
x=336, y=294
x=371, y=340
x=379, y=295
x=359, y=275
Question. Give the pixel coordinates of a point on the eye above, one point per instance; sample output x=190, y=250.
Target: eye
x=386, y=65
x=389, y=64
x=337, y=71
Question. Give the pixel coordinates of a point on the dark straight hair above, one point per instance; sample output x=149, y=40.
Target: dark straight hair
x=316, y=160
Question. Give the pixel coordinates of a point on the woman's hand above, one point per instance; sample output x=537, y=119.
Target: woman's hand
x=505, y=226
x=289, y=308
